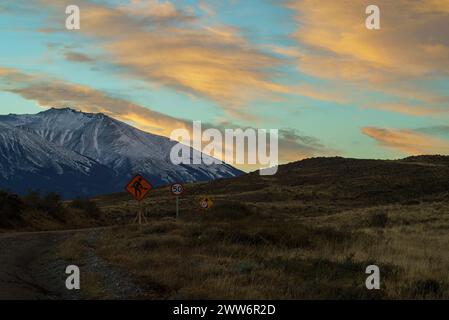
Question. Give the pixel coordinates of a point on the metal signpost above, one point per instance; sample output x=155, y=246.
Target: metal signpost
x=177, y=189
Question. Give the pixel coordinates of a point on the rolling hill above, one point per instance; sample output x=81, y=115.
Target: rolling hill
x=307, y=232
x=332, y=182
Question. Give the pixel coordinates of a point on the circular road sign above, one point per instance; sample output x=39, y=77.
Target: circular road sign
x=206, y=203
x=177, y=189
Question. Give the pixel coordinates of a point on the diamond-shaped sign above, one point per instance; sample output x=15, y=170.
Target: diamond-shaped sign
x=138, y=187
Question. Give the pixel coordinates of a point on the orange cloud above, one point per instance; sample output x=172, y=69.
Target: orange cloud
x=11, y=76
x=408, y=141
x=410, y=109
x=151, y=8
x=48, y=92
x=214, y=62
x=324, y=93
x=407, y=44
x=411, y=48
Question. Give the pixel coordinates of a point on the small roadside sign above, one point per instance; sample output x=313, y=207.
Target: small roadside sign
x=138, y=187
x=177, y=189
x=206, y=203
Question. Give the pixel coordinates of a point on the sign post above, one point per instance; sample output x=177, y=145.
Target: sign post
x=177, y=189
x=138, y=187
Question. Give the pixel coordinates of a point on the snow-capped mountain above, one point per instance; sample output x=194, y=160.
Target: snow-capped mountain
x=96, y=139
x=30, y=162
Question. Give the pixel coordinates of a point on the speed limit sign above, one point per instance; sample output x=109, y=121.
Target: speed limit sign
x=177, y=189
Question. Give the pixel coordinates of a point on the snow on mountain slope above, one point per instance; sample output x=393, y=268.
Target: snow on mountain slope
x=30, y=162
x=115, y=144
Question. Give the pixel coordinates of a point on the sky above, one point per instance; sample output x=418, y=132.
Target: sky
x=310, y=69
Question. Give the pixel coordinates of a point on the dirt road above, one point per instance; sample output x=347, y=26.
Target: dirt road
x=29, y=269
x=20, y=256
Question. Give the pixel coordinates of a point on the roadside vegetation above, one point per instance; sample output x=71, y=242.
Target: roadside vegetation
x=308, y=232
x=254, y=257
x=35, y=212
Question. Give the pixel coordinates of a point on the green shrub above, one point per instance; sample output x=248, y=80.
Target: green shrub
x=49, y=203
x=87, y=206
x=32, y=199
x=427, y=288
x=11, y=208
x=231, y=210
x=378, y=220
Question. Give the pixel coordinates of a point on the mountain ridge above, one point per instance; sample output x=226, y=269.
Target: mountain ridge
x=123, y=149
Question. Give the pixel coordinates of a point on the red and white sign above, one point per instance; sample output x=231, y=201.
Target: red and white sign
x=177, y=189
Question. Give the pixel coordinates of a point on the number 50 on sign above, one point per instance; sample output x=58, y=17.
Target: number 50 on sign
x=177, y=189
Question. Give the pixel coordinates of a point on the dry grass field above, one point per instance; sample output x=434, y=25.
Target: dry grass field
x=308, y=232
